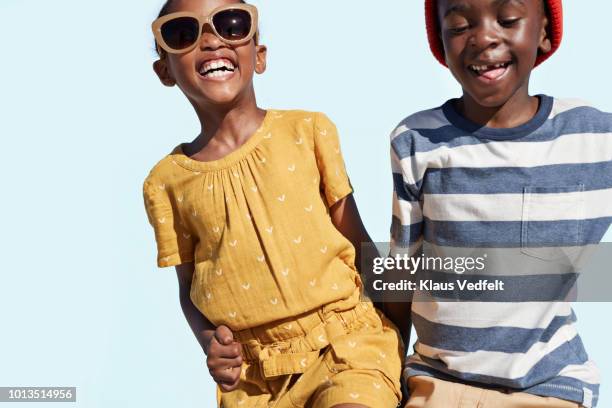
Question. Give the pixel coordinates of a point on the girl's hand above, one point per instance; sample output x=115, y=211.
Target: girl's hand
x=224, y=359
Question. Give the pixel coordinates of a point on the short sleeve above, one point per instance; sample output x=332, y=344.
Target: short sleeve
x=175, y=244
x=407, y=220
x=335, y=183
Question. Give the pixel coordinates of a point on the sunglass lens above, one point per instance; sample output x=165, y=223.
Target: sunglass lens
x=181, y=32
x=233, y=24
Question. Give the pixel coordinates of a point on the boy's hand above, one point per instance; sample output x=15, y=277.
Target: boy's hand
x=224, y=359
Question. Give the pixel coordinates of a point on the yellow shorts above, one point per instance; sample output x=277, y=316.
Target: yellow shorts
x=429, y=392
x=319, y=360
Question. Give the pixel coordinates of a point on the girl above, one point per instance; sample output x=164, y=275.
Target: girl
x=258, y=217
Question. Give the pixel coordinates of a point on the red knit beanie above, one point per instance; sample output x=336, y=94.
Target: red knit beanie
x=555, y=29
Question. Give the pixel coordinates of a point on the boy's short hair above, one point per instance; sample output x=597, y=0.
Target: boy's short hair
x=554, y=10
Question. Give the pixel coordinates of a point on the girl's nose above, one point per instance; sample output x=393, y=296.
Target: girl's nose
x=208, y=39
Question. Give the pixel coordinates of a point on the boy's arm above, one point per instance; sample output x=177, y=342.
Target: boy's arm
x=407, y=220
x=224, y=355
x=399, y=314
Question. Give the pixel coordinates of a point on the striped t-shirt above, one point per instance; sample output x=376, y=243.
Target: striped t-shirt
x=545, y=183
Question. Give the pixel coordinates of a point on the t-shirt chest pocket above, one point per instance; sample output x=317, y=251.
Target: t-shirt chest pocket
x=552, y=221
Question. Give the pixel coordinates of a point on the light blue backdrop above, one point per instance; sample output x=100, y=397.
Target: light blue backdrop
x=83, y=119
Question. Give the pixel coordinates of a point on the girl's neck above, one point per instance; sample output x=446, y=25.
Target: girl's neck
x=517, y=110
x=226, y=127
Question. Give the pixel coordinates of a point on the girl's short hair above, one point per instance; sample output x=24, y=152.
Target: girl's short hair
x=166, y=7
x=165, y=10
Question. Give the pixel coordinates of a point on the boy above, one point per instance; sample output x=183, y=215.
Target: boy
x=500, y=169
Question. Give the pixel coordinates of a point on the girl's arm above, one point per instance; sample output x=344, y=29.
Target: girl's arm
x=346, y=218
x=224, y=358
x=201, y=327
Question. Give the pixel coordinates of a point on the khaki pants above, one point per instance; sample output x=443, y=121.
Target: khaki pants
x=429, y=392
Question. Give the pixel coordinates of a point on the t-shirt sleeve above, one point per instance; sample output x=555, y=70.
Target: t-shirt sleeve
x=175, y=244
x=407, y=220
x=335, y=183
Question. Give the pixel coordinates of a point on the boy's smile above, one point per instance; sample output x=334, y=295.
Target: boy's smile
x=490, y=71
x=491, y=45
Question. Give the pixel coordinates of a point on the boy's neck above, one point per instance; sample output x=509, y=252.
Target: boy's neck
x=516, y=111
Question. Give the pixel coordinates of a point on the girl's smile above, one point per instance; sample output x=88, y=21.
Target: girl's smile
x=219, y=69
x=212, y=72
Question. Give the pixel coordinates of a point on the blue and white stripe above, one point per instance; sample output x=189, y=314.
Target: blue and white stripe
x=547, y=183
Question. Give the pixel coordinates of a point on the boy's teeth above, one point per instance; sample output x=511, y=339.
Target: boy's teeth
x=494, y=70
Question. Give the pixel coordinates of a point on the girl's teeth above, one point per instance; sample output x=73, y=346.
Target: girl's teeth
x=217, y=74
x=215, y=67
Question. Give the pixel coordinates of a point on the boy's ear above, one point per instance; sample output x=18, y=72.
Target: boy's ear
x=442, y=46
x=545, y=43
x=161, y=69
x=261, y=52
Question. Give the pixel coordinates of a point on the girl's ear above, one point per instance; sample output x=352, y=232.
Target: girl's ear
x=161, y=69
x=545, y=43
x=261, y=52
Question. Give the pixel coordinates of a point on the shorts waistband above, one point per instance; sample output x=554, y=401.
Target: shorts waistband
x=290, y=346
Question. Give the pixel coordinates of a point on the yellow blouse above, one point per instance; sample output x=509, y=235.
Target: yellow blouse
x=256, y=222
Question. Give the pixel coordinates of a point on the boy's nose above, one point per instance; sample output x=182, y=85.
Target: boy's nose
x=485, y=35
